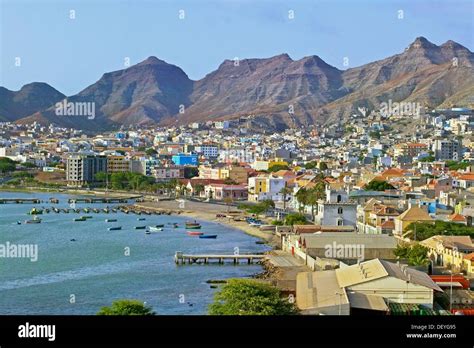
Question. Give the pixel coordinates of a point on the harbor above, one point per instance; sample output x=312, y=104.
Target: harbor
x=91, y=259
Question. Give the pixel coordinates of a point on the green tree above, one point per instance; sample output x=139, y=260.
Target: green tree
x=277, y=167
x=424, y=230
x=250, y=297
x=7, y=165
x=378, y=185
x=302, y=198
x=191, y=172
x=295, y=219
x=285, y=191
x=323, y=166
x=198, y=188
x=126, y=307
x=150, y=152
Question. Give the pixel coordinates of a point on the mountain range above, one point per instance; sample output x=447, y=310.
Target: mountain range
x=280, y=92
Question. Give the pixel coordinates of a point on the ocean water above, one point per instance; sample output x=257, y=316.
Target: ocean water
x=79, y=277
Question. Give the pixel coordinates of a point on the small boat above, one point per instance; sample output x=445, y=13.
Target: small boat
x=196, y=227
x=114, y=210
x=95, y=210
x=153, y=229
x=72, y=240
x=115, y=228
x=86, y=217
x=162, y=225
x=46, y=211
x=195, y=233
x=34, y=221
x=147, y=232
x=79, y=219
x=140, y=227
x=18, y=222
x=86, y=210
x=110, y=220
x=141, y=219
x=208, y=236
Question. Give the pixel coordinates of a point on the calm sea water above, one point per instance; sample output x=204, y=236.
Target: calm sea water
x=96, y=271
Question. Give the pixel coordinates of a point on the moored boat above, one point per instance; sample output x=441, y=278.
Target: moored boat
x=34, y=221
x=141, y=219
x=140, y=227
x=115, y=228
x=191, y=233
x=161, y=225
x=79, y=219
x=110, y=220
x=86, y=217
x=154, y=229
x=194, y=227
x=208, y=236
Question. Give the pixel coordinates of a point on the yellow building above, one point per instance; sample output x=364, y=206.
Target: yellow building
x=454, y=252
x=117, y=164
x=413, y=214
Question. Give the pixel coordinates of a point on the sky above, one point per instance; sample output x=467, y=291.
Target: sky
x=71, y=44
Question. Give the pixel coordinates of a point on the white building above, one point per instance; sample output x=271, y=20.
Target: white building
x=336, y=210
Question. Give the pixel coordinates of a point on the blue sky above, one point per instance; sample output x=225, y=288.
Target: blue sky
x=71, y=54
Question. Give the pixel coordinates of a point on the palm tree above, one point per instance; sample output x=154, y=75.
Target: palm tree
x=302, y=197
x=285, y=191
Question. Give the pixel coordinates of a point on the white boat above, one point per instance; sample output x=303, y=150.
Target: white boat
x=153, y=229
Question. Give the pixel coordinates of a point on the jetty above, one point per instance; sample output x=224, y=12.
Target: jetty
x=99, y=200
x=20, y=200
x=181, y=259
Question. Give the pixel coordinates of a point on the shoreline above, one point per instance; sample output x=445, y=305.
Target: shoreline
x=210, y=216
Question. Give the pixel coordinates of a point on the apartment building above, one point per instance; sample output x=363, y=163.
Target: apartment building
x=81, y=169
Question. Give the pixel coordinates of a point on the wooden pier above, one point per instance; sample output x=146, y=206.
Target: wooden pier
x=180, y=258
x=99, y=200
x=20, y=200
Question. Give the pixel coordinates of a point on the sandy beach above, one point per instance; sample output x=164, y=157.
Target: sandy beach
x=208, y=211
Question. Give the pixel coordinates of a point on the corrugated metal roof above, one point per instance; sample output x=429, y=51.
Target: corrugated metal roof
x=359, y=300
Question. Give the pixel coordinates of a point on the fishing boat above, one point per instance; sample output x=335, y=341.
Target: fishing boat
x=79, y=219
x=191, y=233
x=194, y=227
x=110, y=220
x=154, y=229
x=141, y=219
x=140, y=227
x=34, y=221
x=208, y=236
x=115, y=228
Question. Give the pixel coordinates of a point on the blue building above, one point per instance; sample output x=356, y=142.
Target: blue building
x=182, y=159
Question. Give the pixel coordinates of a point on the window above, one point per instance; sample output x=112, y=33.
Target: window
x=339, y=210
x=339, y=198
x=339, y=222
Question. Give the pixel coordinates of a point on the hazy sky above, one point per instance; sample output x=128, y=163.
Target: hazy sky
x=71, y=54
